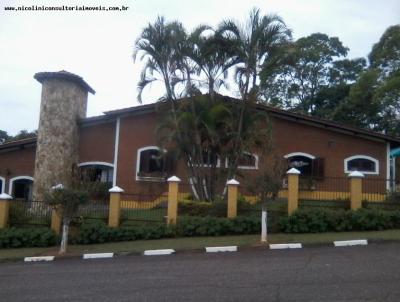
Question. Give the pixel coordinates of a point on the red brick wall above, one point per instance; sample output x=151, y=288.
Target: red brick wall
x=96, y=143
x=333, y=146
x=20, y=162
x=139, y=131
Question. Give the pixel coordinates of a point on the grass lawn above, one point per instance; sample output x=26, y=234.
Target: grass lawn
x=192, y=243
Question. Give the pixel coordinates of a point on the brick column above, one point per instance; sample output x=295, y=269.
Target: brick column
x=114, y=211
x=232, y=197
x=4, y=209
x=173, y=190
x=293, y=190
x=356, y=190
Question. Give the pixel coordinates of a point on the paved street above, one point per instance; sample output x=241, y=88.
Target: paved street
x=369, y=273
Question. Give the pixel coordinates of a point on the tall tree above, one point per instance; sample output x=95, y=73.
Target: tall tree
x=257, y=45
x=373, y=101
x=385, y=55
x=307, y=66
x=158, y=45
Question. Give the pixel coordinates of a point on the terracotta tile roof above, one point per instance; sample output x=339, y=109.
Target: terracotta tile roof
x=42, y=76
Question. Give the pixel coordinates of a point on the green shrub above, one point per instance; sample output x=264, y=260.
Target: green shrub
x=194, y=208
x=99, y=232
x=187, y=226
x=214, y=226
x=32, y=237
x=322, y=220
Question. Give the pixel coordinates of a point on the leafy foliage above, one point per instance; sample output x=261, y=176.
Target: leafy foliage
x=186, y=227
x=32, y=237
x=318, y=221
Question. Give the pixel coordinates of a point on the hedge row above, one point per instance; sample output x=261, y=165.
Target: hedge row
x=186, y=227
x=322, y=220
x=30, y=237
x=217, y=208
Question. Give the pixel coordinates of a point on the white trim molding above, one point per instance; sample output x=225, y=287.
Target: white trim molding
x=299, y=154
x=346, y=160
x=11, y=182
x=3, y=185
x=116, y=150
x=138, y=154
x=255, y=167
x=95, y=163
x=388, y=166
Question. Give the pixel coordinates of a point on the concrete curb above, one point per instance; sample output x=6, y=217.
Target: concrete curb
x=218, y=249
x=350, y=242
x=97, y=256
x=284, y=246
x=37, y=259
x=158, y=252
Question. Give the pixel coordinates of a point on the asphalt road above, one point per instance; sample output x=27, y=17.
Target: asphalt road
x=369, y=273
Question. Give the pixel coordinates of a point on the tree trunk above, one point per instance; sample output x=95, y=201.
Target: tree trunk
x=64, y=238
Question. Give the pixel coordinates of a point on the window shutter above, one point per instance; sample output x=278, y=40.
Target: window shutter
x=144, y=161
x=318, y=168
x=169, y=164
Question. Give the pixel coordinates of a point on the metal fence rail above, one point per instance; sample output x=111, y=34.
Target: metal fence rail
x=139, y=209
x=94, y=210
x=325, y=204
x=328, y=188
x=29, y=213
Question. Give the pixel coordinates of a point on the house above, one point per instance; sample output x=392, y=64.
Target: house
x=120, y=146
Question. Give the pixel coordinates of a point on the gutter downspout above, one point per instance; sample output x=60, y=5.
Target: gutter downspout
x=116, y=147
x=388, y=166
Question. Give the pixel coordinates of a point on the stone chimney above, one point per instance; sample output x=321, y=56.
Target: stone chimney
x=63, y=103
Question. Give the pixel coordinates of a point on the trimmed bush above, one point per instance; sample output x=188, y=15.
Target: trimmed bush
x=32, y=237
x=194, y=208
x=318, y=221
x=187, y=227
x=98, y=232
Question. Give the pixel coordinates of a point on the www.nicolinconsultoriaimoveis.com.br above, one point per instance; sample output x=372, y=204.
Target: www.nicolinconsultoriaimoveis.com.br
x=66, y=8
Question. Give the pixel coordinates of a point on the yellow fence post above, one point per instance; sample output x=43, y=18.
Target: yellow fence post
x=56, y=221
x=232, y=197
x=114, y=211
x=56, y=216
x=4, y=209
x=356, y=190
x=173, y=191
x=293, y=190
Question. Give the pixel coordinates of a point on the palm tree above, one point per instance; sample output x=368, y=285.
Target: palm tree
x=257, y=45
x=159, y=45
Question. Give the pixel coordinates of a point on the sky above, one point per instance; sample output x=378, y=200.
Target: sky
x=98, y=45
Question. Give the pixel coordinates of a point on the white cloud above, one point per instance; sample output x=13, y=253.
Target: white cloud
x=99, y=45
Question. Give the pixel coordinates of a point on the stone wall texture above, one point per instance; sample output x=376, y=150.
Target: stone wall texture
x=63, y=103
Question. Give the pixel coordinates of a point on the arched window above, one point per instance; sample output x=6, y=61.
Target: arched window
x=152, y=163
x=307, y=164
x=97, y=171
x=2, y=184
x=362, y=163
x=21, y=187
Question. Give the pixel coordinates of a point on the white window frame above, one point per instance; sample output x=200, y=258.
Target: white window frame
x=255, y=167
x=3, y=184
x=299, y=154
x=11, y=183
x=346, y=160
x=95, y=163
x=138, y=154
x=98, y=163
